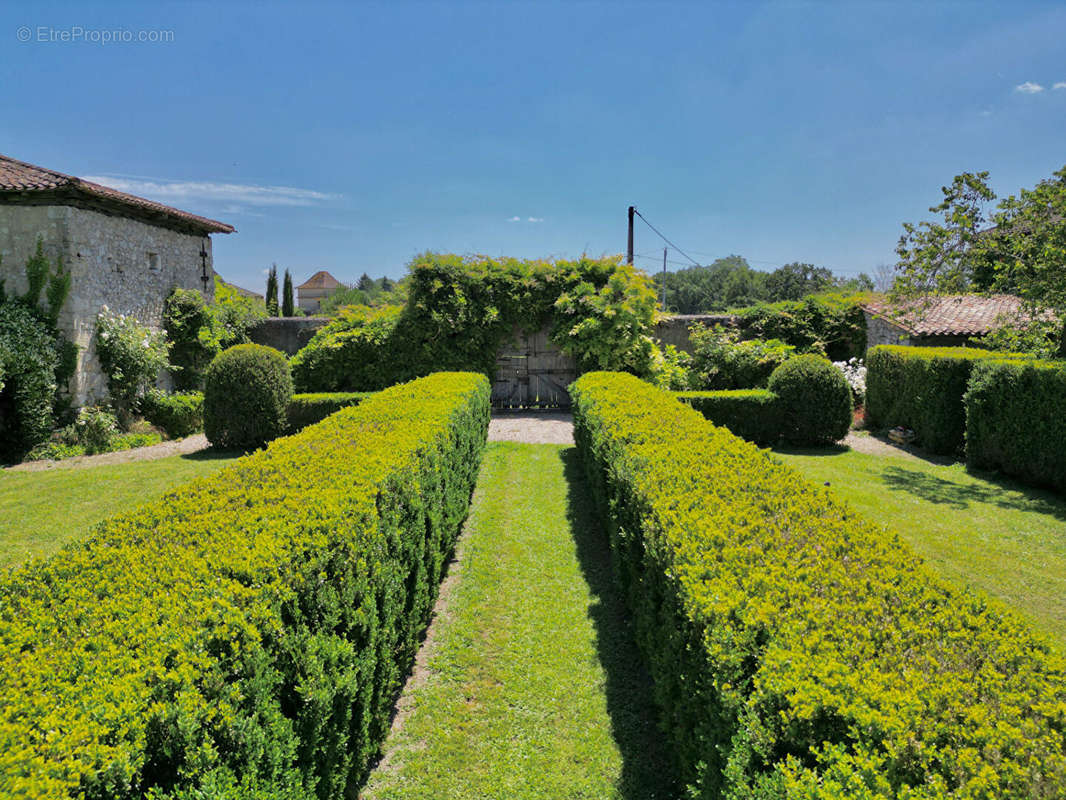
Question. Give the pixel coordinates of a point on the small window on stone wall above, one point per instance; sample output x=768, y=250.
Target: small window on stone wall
x=153, y=261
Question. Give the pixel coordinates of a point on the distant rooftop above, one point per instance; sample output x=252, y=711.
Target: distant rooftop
x=27, y=183
x=321, y=280
x=950, y=315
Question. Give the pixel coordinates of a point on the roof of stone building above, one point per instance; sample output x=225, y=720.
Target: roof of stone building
x=20, y=181
x=951, y=315
x=321, y=280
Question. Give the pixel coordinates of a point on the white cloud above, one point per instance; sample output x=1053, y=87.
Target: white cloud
x=1029, y=88
x=1059, y=85
x=535, y=219
x=250, y=194
x=515, y=219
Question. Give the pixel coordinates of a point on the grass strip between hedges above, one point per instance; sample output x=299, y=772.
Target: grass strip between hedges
x=535, y=689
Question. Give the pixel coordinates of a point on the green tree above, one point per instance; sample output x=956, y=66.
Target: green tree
x=366, y=283
x=1025, y=252
x=387, y=285
x=1020, y=248
x=794, y=281
x=287, y=305
x=272, y=291
x=726, y=283
x=938, y=257
x=860, y=283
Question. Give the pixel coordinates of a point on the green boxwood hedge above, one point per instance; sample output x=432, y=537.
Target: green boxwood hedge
x=814, y=400
x=246, y=635
x=921, y=388
x=179, y=414
x=752, y=414
x=797, y=650
x=307, y=409
x=247, y=389
x=1015, y=421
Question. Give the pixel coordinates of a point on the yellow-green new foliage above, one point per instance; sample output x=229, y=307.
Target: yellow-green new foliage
x=307, y=409
x=797, y=650
x=246, y=635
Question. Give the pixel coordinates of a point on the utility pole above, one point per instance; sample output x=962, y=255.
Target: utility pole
x=629, y=245
x=664, y=279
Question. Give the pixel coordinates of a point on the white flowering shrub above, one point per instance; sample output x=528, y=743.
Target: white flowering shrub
x=855, y=373
x=131, y=355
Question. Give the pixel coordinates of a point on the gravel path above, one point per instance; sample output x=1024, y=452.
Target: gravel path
x=190, y=444
x=532, y=428
x=878, y=445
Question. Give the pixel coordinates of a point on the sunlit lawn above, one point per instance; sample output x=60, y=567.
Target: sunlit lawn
x=40, y=511
x=980, y=531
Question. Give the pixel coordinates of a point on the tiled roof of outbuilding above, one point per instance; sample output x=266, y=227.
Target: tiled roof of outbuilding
x=948, y=315
x=19, y=179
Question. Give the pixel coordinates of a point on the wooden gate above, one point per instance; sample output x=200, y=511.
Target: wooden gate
x=532, y=373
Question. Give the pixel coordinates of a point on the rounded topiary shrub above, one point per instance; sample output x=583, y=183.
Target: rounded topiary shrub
x=815, y=400
x=246, y=390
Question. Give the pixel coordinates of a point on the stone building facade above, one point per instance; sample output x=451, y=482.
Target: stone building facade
x=122, y=251
x=311, y=293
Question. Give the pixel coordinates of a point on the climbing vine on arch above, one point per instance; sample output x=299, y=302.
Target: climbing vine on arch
x=461, y=309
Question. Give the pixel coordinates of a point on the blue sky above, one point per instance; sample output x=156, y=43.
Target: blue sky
x=351, y=137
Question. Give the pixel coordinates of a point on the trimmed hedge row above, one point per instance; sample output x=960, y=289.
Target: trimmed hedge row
x=307, y=409
x=797, y=650
x=752, y=414
x=1014, y=420
x=244, y=636
x=921, y=388
x=179, y=414
x=808, y=404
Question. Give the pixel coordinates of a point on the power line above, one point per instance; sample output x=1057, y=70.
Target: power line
x=650, y=257
x=661, y=236
x=658, y=260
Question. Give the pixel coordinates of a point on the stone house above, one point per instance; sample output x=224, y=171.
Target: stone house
x=939, y=321
x=311, y=293
x=122, y=251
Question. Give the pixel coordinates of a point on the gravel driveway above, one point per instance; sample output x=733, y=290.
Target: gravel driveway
x=533, y=428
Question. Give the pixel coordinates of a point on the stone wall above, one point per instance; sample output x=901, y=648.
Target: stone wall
x=882, y=331
x=287, y=334
x=675, y=329
x=127, y=265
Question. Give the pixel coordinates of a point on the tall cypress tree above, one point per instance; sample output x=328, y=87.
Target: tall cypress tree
x=272, y=291
x=287, y=308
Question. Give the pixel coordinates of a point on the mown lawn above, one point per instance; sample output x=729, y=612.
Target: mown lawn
x=40, y=511
x=534, y=687
x=979, y=531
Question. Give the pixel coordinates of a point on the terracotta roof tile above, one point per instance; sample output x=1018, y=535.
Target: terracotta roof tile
x=947, y=315
x=321, y=280
x=19, y=177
